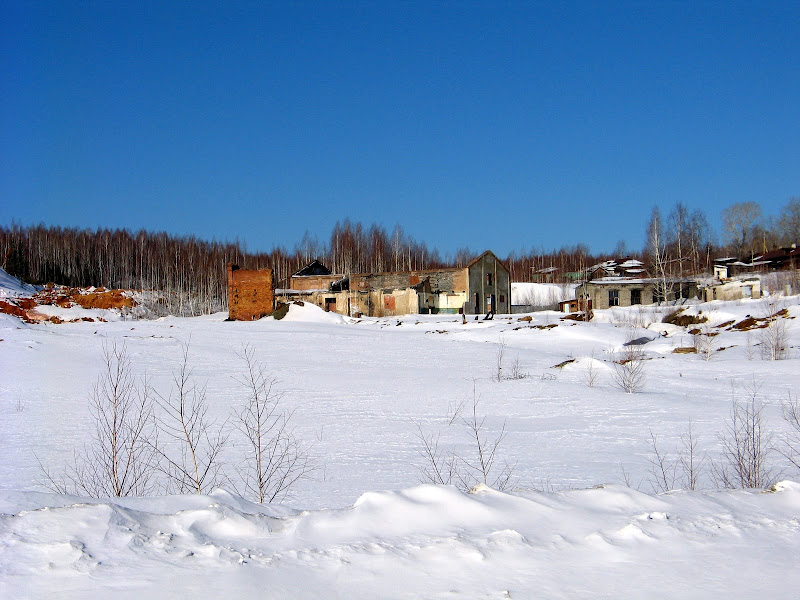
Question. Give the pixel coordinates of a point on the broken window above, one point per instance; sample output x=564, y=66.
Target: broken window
x=488, y=279
x=613, y=297
x=636, y=297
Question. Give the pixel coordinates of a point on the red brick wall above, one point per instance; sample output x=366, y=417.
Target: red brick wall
x=250, y=294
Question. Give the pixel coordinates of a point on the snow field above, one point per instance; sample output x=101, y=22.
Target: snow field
x=362, y=527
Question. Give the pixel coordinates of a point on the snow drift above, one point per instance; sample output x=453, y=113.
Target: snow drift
x=424, y=541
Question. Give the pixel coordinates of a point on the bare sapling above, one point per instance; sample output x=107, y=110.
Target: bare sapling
x=690, y=460
x=191, y=456
x=663, y=470
x=774, y=338
x=791, y=446
x=486, y=449
x=703, y=341
x=120, y=460
x=276, y=460
x=747, y=448
x=592, y=372
x=499, y=357
x=517, y=371
x=440, y=466
x=629, y=371
x=446, y=467
x=680, y=470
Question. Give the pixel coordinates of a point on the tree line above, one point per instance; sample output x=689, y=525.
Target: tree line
x=190, y=274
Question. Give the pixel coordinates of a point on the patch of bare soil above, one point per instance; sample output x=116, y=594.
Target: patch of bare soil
x=685, y=350
x=750, y=323
x=100, y=298
x=574, y=317
x=677, y=317
x=103, y=299
x=15, y=310
x=561, y=365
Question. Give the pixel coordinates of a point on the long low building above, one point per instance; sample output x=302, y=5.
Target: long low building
x=483, y=286
x=607, y=292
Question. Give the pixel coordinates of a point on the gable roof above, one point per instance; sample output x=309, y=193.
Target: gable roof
x=313, y=268
x=485, y=252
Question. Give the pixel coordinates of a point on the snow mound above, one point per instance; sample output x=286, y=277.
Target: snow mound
x=633, y=543
x=11, y=287
x=311, y=313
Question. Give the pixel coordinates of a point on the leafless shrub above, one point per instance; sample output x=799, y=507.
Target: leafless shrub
x=592, y=372
x=746, y=446
x=791, y=413
x=749, y=346
x=516, y=371
x=276, y=459
x=626, y=476
x=121, y=457
x=629, y=371
x=680, y=470
x=703, y=342
x=690, y=459
x=773, y=339
x=663, y=470
x=499, y=356
x=441, y=466
x=191, y=458
x=444, y=466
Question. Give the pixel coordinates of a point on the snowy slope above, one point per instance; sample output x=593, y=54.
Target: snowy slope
x=11, y=287
x=361, y=390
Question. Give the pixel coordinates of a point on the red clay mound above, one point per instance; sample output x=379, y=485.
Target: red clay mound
x=103, y=299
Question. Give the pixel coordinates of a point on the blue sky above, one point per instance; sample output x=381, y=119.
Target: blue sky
x=489, y=125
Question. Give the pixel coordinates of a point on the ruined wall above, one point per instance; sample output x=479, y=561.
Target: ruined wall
x=312, y=282
x=250, y=294
x=442, y=280
x=733, y=290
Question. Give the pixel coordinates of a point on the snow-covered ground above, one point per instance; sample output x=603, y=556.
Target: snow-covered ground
x=540, y=294
x=364, y=526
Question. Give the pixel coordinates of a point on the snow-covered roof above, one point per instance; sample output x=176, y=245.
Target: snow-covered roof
x=631, y=262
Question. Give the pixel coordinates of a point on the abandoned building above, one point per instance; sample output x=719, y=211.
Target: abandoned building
x=482, y=286
x=781, y=259
x=607, y=292
x=733, y=289
x=250, y=295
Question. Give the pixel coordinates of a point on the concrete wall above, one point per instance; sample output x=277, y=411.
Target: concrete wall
x=250, y=293
x=733, y=290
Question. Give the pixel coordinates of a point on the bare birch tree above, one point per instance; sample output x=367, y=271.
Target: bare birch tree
x=276, y=459
x=120, y=460
x=445, y=466
x=658, y=253
x=190, y=456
